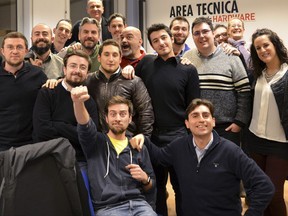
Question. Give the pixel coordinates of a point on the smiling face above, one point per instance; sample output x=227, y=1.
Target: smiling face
x=95, y=9
x=76, y=70
x=41, y=38
x=162, y=43
x=203, y=38
x=220, y=35
x=265, y=49
x=116, y=27
x=200, y=122
x=63, y=32
x=236, y=29
x=89, y=36
x=180, y=31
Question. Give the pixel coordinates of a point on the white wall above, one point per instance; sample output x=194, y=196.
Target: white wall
x=262, y=13
x=32, y=12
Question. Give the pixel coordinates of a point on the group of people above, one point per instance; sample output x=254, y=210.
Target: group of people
x=80, y=84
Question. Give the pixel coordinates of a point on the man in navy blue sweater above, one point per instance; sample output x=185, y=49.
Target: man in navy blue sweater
x=209, y=168
x=19, y=86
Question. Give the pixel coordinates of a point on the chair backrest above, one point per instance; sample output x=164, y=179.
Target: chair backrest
x=40, y=179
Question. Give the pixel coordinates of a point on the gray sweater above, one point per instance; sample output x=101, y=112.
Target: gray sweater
x=223, y=81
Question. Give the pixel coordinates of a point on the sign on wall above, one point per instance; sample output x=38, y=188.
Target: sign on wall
x=256, y=14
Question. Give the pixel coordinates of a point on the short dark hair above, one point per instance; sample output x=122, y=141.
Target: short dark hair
x=15, y=35
x=197, y=102
x=114, y=16
x=90, y=21
x=157, y=27
x=79, y=53
x=117, y=99
x=201, y=20
x=107, y=43
x=219, y=26
x=63, y=20
x=179, y=18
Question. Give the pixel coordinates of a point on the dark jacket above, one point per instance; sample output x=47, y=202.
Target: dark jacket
x=211, y=187
x=280, y=91
x=39, y=179
x=102, y=89
x=110, y=181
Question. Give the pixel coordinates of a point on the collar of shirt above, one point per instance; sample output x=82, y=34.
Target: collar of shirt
x=65, y=85
x=218, y=48
x=201, y=152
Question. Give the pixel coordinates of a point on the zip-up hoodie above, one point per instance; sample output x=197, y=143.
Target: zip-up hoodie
x=110, y=182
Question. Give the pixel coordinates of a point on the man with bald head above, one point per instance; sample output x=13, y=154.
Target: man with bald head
x=94, y=9
x=40, y=53
x=131, y=41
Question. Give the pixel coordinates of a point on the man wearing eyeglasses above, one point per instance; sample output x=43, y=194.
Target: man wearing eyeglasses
x=220, y=33
x=19, y=85
x=223, y=80
x=53, y=114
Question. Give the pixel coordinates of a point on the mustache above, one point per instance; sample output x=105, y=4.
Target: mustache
x=77, y=74
x=41, y=40
x=90, y=39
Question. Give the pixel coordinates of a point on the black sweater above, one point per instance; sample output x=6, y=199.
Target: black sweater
x=54, y=117
x=17, y=97
x=171, y=86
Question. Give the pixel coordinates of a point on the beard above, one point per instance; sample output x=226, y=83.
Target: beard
x=90, y=46
x=41, y=50
x=127, y=53
x=13, y=64
x=179, y=41
x=117, y=131
x=74, y=83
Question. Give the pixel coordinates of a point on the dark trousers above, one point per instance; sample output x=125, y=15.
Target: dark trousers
x=234, y=137
x=161, y=138
x=277, y=169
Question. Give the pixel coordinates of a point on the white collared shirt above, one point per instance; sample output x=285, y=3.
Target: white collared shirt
x=265, y=121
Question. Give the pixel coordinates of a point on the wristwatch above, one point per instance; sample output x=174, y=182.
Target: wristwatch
x=148, y=181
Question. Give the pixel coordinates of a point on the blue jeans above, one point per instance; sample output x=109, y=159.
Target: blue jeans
x=129, y=208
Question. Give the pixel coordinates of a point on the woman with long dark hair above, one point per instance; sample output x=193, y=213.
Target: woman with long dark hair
x=268, y=140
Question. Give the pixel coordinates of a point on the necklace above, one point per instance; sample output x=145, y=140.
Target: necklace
x=270, y=76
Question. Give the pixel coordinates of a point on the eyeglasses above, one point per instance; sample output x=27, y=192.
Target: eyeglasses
x=76, y=67
x=236, y=26
x=18, y=47
x=224, y=34
x=204, y=32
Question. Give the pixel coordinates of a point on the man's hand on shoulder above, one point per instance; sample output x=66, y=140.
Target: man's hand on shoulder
x=137, y=142
x=51, y=83
x=229, y=49
x=128, y=72
x=186, y=61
